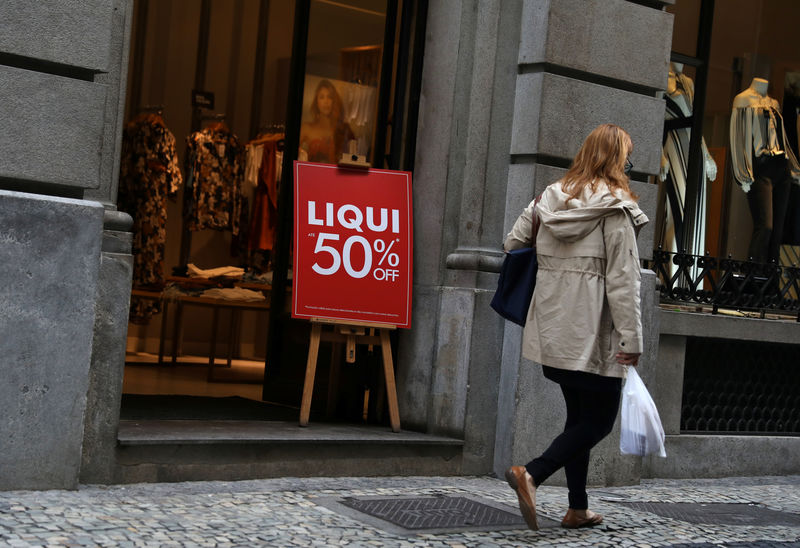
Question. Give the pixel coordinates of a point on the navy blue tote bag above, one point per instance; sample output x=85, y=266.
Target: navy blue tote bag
x=517, y=280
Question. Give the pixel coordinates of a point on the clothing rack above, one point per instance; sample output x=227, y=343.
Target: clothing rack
x=212, y=116
x=155, y=109
x=268, y=129
x=217, y=118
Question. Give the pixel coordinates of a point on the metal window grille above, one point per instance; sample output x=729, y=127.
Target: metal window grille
x=742, y=387
x=727, y=283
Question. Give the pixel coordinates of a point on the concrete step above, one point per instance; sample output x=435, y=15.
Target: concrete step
x=196, y=450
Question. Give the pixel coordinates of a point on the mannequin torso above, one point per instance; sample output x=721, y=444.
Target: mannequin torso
x=755, y=96
x=680, y=88
x=672, y=81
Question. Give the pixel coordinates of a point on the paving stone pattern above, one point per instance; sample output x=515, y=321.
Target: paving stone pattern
x=285, y=512
x=718, y=513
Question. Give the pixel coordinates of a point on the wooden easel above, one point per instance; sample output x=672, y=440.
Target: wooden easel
x=351, y=334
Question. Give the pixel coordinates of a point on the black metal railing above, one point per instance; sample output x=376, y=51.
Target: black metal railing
x=727, y=283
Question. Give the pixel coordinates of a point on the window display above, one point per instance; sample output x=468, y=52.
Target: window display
x=752, y=209
x=225, y=172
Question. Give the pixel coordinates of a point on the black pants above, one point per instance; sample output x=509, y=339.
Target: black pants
x=768, y=199
x=590, y=418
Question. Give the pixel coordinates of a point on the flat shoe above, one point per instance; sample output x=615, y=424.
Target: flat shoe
x=516, y=478
x=573, y=521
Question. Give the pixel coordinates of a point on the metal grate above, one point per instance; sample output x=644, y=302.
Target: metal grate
x=717, y=513
x=741, y=386
x=436, y=512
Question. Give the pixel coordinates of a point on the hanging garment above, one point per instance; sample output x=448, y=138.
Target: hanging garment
x=215, y=171
x=149, y=174
x=263, y=223
x=359, y=104
x=252, y=166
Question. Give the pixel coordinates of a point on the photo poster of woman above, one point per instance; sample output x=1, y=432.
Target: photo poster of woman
x=335, y=114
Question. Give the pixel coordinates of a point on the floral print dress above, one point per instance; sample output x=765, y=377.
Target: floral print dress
x=149, y=174
x=215, y=170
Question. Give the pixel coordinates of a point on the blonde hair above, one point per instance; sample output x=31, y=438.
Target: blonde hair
x=601, y=159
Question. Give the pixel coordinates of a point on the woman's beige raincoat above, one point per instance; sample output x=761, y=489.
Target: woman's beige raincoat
x=586, y=305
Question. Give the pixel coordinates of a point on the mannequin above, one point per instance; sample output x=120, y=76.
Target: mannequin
x=763, y=165
x=675, y=161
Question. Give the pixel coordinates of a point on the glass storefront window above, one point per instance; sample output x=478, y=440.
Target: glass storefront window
x=345, y=45
x=685, y=25
x=214, y=93
x=748, y=41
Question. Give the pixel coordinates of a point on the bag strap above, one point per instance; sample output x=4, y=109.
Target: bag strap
x=535, y=222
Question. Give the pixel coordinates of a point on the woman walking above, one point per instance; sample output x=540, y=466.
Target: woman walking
x=584, y=323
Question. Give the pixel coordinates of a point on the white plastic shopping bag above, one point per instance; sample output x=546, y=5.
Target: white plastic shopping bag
x=641, y=432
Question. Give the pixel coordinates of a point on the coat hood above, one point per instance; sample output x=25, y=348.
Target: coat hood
x=573, y=220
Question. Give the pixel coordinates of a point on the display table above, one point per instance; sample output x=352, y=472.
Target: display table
x=216, y=304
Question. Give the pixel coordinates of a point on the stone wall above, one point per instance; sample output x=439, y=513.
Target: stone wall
x=48, y=275
x=448, y=370
x=714, y=455
x=62, y=66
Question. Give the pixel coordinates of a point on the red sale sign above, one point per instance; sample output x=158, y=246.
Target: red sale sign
x=352, y=244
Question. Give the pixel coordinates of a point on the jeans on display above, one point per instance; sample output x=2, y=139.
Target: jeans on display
x=590, y=418
x=768, y=199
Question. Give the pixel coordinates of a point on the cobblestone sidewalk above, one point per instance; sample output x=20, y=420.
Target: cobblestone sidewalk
x=294, y=512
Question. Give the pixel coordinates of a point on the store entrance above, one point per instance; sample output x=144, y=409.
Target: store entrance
x=222, y=97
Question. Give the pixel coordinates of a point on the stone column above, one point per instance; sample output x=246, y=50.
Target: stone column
x=510, y=90
x=449, y=369
x=581, y=63
x=104, y=390
x=110, y=331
